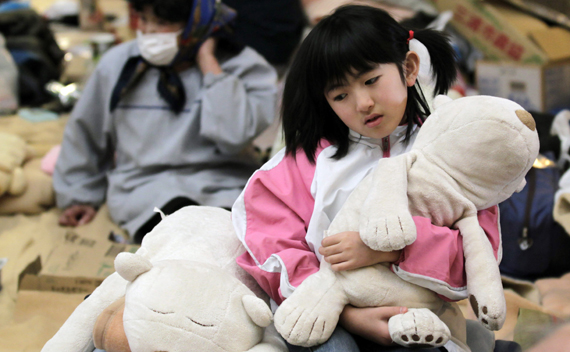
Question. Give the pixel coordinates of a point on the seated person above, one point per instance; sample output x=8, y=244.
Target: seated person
x=164, y=119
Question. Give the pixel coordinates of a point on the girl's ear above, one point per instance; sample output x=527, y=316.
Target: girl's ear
x=411, y=67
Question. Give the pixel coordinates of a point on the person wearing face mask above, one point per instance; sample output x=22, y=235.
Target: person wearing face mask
x=165, y=119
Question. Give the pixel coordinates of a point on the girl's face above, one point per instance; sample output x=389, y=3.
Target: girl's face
x=149, y=23
x=373, y=103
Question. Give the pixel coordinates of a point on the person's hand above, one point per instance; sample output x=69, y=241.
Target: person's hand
x=76, y=215
x=370, y=323
x=206, y=59
x=346, y=251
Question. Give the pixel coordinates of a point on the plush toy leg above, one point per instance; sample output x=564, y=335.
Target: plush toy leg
x=387, y=225
x=309, y=316
x=483, y=276
x=272, y=342
x=378, y=286
x=418, y=328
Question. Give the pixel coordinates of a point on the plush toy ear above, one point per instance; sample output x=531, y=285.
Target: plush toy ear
x=440, y=100
x=257, y=310
x=131, y=265
x=521, y=185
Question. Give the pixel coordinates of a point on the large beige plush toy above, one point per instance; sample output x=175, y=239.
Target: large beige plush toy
x=470, y=154
x=181, y=291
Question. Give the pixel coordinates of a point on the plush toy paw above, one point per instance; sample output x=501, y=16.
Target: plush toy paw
x=309, y=316
x=388, y=233
x=492, y=314
x=418, y=328
x=485, y=289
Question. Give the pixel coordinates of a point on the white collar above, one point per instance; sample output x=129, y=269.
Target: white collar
x=398, y=134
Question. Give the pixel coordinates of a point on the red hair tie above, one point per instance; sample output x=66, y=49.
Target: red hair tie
x=410, y=37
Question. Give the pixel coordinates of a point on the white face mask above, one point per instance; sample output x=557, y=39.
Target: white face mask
x=158, y=48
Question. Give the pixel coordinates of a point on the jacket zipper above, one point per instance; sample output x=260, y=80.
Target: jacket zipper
x=386, y=147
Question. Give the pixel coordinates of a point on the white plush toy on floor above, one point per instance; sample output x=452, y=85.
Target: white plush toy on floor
x=182, y=291
x=470, y=154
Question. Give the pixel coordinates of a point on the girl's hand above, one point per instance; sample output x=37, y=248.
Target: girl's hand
x=76, y=215
x=370, y=323
x=206, y=59
x=346, y=251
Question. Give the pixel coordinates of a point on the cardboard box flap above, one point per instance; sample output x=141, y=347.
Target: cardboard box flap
x=551, y=12
x=483, y=25
x=523, y=22
x=554, y=41
x=27, y=277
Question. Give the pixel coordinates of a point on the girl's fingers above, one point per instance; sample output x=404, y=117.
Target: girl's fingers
x=330, y=241
x=388, y=312
x=335, y=259
x=330, y=250
x=340, y=266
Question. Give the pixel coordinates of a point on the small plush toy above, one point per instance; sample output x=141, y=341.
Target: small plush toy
x=13, y=153
x=470, y=154
x=181, y=291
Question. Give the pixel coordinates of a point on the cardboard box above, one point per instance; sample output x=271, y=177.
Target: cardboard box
x=542, y=88
x=526, y=60
x=502, y=32
x=77, y=265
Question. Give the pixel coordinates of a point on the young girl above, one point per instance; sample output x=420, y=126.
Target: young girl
x=164, y=119
x=351, y=97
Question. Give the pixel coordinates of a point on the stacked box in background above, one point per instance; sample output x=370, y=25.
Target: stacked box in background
x=77, y=265
x=526, y=60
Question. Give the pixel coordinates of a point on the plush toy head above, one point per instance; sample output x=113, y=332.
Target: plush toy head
x=173, y=304
x=467, y=138
x=182, y=290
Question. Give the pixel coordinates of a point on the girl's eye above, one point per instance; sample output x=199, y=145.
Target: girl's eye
x=339, y=97
x=372, y=80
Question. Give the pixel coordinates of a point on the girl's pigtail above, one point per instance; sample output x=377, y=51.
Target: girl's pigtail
x=443, y=58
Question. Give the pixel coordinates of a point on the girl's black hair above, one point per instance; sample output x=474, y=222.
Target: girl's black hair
x=353, y=38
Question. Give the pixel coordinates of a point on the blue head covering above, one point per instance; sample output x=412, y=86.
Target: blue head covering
x=207, y=18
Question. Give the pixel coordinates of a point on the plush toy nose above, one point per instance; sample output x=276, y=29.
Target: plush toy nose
x=527, y=119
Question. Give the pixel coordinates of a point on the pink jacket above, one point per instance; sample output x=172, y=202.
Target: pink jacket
x=288, y=203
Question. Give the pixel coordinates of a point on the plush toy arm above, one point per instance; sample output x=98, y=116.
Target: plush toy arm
x=272, y=342
x=483, y=276
x=385, y=220
x=76, y=334
x=310, y=314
